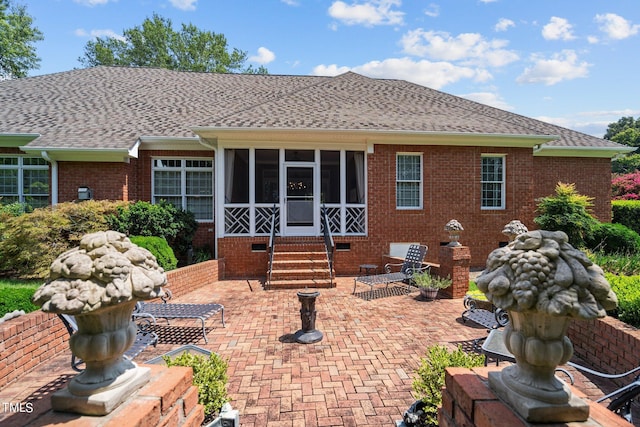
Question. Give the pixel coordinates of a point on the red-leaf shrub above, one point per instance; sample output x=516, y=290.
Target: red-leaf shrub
x=626, y=187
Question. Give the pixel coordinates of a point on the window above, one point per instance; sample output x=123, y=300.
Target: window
x=492, y=182
x=24, y=180
x=409, y=181
x=185, y=183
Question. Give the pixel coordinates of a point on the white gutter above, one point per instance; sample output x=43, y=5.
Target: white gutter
x=602, y=152
x=54, y=177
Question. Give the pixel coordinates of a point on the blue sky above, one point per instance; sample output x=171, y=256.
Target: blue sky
x=573, y=63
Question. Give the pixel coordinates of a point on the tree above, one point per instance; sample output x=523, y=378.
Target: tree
x=625, y=131
x=17, y=38
x=156, y=44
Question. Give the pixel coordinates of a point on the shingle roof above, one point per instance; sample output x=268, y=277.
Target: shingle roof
x=111, y=107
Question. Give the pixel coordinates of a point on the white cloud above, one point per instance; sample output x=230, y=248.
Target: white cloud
x=290, y=2
x=184, y=4
x=432, y=11
x=488, y=98
x=558, y=29
x=431, y=74
x=561, y=66
x=469, y=48
x=81, y=32
x=504, y=24
x=616, y=27
x=263, y=57
x=368, y=13
x=92, y=3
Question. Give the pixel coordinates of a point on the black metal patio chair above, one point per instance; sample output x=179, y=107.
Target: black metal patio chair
x=413, y=263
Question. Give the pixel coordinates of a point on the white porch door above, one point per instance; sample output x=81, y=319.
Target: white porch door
x=300, y=217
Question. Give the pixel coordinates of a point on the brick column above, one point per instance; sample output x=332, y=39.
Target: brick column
x=454, y=263
x=169, y=399
x=467, y=401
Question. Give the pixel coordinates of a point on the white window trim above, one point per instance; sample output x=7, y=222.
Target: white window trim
x=183, y=180
x=502, y=183
x=420, y=203
x=21, y=167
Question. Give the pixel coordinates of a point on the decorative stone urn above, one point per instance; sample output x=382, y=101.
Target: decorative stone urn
x=514, y=229
x=543, y=282
x=99, y=284
x=454, y=228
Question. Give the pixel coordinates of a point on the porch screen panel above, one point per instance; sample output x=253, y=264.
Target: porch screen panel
x=267, y=176
x=236, y=175
x=355, y=177
x=330, y=176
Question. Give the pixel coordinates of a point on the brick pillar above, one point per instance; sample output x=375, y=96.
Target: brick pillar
x=454, y=263
x=468, y=401
x=169, y=399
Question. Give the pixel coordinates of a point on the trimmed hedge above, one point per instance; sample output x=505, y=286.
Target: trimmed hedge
x=159, y=247
x=626, y=212
x=614, y=238
x=17, y=297
x=627, y=289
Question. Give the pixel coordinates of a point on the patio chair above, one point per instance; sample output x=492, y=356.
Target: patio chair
x=483, y=313
x=168, y=311
x=144, y=338
x=413, y=263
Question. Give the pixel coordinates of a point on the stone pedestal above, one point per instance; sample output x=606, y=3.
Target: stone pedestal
x=454, y=263
x=308, y=334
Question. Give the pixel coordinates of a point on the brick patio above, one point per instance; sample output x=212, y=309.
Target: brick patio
x=359, y=374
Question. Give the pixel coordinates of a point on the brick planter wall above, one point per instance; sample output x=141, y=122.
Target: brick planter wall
x=29, y=340
x=467, y=401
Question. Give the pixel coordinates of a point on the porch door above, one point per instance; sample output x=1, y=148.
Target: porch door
x=300, y=212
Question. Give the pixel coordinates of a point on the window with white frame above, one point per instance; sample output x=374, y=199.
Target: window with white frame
x=185, y=183
x=408, y=181
x=24, y=180
x=492, y=182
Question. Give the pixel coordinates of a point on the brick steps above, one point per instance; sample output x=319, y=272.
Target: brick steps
x=299, y=263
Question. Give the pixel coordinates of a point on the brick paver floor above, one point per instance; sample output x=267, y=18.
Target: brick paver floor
x=359, y=374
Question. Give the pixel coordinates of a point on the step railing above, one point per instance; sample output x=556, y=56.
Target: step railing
x=328, y=240
x=272, y=245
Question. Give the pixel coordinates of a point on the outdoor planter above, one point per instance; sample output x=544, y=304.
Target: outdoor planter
x=430, y=285
x=99, y=284
x=543, y=282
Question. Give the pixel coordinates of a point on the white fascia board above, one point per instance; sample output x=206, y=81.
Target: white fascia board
x=81, y=155
x=602, y=152
x=16, y=140
x=368, y=137
x=173, y=143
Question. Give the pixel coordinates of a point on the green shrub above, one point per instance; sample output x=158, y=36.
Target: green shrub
x=210, y=375
x=614, y=238
x=14, y=209
x=161, y=220
x=159, y=247
x=29, y=243
x=567, y=211
x=626, y=212
x=627, y=289
x=625, y=164
x=15, y=295
x=429, y=379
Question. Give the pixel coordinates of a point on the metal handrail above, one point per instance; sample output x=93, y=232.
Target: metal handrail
x=328, y=240
x=272, y=243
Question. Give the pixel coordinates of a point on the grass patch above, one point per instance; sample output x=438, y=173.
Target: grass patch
x=16, y=295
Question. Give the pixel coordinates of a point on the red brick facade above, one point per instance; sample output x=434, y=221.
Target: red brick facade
x=451, y=190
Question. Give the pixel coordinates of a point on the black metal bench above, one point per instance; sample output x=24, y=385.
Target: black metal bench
x=167, y=311
x=490, y=319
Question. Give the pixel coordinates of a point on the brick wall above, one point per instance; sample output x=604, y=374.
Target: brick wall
x=29, y=340
x=109, y=181
x=467, y=401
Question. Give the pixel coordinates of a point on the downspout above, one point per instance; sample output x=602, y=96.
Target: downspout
x=54, y=177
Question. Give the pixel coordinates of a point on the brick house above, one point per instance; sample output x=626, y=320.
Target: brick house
x=392, y=161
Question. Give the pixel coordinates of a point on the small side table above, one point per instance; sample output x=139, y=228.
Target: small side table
x=368, y=268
